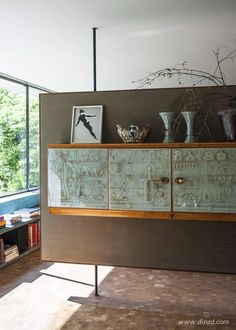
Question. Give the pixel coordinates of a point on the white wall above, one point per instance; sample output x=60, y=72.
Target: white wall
x=187, y=32
x=49, y=42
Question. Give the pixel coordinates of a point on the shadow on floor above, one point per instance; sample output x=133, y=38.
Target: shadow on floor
x=26, y=269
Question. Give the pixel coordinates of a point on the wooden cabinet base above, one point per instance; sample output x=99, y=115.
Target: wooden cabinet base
x=143, y=214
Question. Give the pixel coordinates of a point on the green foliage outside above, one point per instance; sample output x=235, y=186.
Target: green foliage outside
x=13, y=142
x=34, y=142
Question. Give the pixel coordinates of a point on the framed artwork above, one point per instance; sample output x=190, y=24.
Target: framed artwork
x=86, y=126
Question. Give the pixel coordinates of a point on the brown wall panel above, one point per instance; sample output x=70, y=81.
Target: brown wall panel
x=168, y=244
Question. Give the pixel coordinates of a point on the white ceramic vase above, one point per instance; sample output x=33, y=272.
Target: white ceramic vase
x=189, y=117
x=168, y=120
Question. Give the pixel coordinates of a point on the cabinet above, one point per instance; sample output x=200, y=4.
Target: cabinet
x=160, y=181
x=78, y=178
x=204, y=180
x=139, y=179
x=25, y=235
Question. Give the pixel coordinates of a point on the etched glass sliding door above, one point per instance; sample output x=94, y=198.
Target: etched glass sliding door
x=204, y=180
x=78, y=178
x=139, y=179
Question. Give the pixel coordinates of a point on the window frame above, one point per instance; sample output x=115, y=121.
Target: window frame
x=27, y=86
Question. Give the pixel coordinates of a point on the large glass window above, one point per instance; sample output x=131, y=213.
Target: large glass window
x=34, y=137
x=19, y=137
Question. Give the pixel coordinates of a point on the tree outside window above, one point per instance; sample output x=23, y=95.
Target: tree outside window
x=19, y=138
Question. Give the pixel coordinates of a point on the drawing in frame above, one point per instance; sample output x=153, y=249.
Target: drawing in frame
x=86, y=126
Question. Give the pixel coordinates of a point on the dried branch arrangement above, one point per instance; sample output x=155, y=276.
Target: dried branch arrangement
x=189, y=101
x=217, y=78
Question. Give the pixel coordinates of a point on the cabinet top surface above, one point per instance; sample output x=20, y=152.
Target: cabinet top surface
x=145, y=145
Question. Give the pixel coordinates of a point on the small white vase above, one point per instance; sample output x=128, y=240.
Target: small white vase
x=168, y=120
x=189, y=117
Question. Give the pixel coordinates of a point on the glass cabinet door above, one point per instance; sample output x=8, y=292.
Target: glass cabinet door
x=78, y=178
x=139, y=179
x=204, y=180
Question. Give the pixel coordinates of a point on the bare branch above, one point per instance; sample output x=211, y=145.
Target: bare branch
x=171, y=72
x=218, y=67
x=217, y=78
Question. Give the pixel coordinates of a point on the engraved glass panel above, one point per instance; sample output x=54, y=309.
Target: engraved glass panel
x=78, y=178
x=135, y=179
x=204, y=180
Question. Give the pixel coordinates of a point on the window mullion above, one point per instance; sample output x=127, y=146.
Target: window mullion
x=27, y=138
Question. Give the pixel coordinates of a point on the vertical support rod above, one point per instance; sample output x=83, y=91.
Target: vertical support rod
x=96, y=281
x=95, y=88
x=94, y=60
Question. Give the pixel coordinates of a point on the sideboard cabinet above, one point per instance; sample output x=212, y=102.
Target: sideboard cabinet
x=161, y=181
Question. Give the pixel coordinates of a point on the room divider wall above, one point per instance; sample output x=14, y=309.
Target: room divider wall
x=174, y=242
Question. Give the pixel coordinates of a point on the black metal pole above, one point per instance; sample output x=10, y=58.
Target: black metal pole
x=95, y=88
x=94, y=60
x=96, y=281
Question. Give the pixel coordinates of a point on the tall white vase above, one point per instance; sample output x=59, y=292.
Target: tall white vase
x=189, y=117
x=168, y=120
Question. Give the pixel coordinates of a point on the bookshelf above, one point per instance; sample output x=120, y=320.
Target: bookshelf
x=25, y=235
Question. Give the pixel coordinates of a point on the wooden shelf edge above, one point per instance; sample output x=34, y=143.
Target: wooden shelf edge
x=143, y=214
x=109, y=145
x=204, y=216
x=109, y=213
x=143, y=145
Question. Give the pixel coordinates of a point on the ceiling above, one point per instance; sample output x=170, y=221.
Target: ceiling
x=49, y=42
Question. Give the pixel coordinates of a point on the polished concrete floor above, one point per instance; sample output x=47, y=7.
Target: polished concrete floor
x=37, y=295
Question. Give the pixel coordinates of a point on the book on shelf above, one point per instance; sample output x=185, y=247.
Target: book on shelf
x=28, y=212
x=38, y=232
x=33, y=234
x=2, y=256
x=15, y=219
x=2, y=221
x=11, y=219
x=30, y=236
x=10, y=252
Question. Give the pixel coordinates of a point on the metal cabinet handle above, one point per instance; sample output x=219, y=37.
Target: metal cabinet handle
x=181, y=180
x=160, y=181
